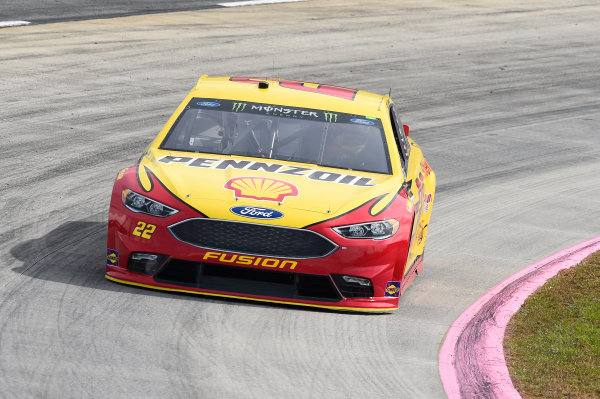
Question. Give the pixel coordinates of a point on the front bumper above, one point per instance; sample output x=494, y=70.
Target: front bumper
x=302, y=278
x=308, y=282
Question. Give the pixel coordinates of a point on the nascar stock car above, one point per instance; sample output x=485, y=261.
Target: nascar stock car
x=277, y=191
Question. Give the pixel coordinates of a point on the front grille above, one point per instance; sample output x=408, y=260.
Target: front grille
x=278, y=284
x=253, y=239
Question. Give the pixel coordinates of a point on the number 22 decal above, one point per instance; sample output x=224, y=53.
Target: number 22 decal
x=144, y=230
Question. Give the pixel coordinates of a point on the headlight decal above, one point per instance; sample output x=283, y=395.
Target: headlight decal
x=376, y=230
x=139, y=203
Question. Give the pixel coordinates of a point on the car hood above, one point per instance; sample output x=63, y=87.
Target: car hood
x=303, y=194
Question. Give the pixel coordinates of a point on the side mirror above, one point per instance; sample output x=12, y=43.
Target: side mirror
x=406, y=129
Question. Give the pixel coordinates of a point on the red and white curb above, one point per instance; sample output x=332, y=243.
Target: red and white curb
x=471, y=359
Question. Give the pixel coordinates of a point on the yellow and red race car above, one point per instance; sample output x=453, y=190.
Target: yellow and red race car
x=279, y=191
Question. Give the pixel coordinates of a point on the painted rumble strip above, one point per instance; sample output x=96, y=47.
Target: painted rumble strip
x=8, y=24
x=471, y=360
x=256, y=2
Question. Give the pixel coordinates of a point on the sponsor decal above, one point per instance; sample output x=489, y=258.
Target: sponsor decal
x=208, y=104
x=248, y=260
x=284, y=111
x=278, y=110
x=238, y=107
x=407, y=185
x=392, y=289
x=362, y=122
x=212, y=163
x=260, y=188
x=409, y=206
x=419, y=180
x=255, y=212
x=112, y=257
x=425, y=167
x=427, y=202
x=330, y=117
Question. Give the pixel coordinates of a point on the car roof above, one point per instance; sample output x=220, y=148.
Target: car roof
x=292, y=93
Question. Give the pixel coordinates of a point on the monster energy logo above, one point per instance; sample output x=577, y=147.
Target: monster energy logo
x=330, y=117
x=238, y=107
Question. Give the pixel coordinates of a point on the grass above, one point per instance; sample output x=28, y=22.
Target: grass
x=552, y=344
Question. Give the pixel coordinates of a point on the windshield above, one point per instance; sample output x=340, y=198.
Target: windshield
x=303, y=135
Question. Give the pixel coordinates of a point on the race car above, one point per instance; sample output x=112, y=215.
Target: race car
x=279, y=191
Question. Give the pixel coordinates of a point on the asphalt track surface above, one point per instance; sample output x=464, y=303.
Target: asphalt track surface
x=503, y=97
x=44, y=11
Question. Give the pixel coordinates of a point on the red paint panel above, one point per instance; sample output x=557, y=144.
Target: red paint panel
x=327, y=90
x=335, y=91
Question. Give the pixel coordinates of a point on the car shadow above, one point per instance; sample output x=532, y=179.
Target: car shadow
x=75, y=253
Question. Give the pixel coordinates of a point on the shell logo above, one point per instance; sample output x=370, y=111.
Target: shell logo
x=260, y=188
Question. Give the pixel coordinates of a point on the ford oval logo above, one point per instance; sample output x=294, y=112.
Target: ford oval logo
x=208, y=104
x=256, y=212
x=362, y=122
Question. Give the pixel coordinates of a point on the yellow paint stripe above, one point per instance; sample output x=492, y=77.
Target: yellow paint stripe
x=382, y=203
x=413, y=266
x=247, y=298
x=143, y=177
